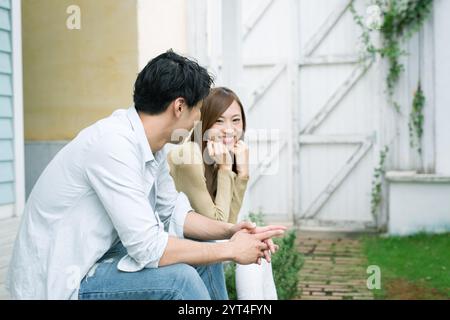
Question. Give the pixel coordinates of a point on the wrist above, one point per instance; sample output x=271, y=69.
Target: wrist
x=229, y=232
x=226, y=251
x=243, y=174
x=242, y=169
x=225, y=167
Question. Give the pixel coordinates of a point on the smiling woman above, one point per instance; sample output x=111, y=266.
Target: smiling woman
x=222, y=123
x=213, y=173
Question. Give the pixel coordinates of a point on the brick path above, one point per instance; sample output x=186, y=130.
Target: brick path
x=334, y=269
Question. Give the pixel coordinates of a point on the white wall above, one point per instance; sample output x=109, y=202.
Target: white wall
x=161, y=25
x=442, y=80
x=419, y=203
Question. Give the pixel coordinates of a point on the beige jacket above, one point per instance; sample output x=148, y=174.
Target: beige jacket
x=188, y=172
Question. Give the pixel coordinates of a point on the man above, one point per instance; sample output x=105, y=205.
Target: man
x=104, y=220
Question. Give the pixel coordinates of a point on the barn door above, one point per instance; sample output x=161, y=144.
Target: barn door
x=269, y=51
x=299, y=75
x=339, y=101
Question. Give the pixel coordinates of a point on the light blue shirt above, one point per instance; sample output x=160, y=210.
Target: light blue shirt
x=104, y=185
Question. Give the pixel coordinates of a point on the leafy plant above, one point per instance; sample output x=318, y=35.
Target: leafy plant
x=365, y=35
x=377, y=182
x=230, y=280
x=286, y=264
x=401, y=20
x=416, y=119
x=256, y=218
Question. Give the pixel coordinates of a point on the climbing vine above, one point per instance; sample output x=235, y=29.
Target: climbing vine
x=399, y=21
x=377, y=181
x=368, y=47
x=416, y=119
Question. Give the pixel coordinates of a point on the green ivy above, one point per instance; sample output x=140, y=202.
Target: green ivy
x=365, y=35
x=401, y=20
x=377, y=181
x=416, y=119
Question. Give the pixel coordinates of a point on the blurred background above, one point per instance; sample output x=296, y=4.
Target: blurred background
x=355, y=91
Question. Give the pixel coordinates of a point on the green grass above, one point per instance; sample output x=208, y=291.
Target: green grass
x=422, y=259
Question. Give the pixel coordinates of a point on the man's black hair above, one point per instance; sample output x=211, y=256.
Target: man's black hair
x=167, y=77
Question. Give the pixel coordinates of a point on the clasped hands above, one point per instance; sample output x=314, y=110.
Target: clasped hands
x=251, y=243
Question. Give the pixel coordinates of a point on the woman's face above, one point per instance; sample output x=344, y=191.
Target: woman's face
x=228, y=128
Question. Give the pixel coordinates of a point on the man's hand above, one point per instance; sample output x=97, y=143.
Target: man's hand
x=249, y=247
x=253, y=229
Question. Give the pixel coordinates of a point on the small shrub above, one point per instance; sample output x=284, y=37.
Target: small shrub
x=286, y=264
x=230, y=280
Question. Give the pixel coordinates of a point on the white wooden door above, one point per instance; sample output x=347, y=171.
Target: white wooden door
x=301, y=80
x=340, y=99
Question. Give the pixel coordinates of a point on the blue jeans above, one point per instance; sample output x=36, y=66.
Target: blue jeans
x=175, y=282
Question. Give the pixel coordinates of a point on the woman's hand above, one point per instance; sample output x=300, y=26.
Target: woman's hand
x=242, y=158
x=272, y=248
x=220, y=154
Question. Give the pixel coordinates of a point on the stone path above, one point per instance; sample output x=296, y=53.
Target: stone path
x=334, y=269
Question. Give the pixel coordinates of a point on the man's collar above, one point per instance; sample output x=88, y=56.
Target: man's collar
x=138, y=127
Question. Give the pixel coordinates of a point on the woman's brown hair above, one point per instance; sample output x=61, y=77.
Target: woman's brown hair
x=214, y=105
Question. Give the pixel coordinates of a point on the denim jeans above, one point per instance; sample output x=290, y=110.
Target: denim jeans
x=175, y=282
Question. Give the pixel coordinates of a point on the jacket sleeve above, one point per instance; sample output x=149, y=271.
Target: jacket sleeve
x=116, y=174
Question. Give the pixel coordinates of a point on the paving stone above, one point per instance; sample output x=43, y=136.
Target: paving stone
x=333, y=269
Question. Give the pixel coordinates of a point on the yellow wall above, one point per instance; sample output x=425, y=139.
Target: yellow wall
x=74, y=77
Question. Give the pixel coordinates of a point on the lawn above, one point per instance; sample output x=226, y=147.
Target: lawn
x=414, y=267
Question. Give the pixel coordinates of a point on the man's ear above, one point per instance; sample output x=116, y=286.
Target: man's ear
x=178, y=106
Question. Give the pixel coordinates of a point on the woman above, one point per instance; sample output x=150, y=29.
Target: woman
x=212, y=170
